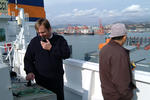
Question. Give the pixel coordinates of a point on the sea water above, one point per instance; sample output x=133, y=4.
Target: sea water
x=82, y=44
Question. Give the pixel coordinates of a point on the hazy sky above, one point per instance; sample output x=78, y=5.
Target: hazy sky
x=88, y=12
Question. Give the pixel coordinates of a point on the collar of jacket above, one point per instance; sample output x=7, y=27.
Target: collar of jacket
x=112, y=42
x=51, y=36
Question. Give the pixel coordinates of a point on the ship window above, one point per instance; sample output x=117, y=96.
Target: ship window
x=2, y=35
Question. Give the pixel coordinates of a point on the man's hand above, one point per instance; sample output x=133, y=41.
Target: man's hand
x=46, y=45
x=30, y=76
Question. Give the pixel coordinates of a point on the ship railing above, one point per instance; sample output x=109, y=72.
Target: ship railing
x=1, y=55
x=4, y=50
x=82, y=79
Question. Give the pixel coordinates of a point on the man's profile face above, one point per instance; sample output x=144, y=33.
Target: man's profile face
x=43, y=32
x=124, y=39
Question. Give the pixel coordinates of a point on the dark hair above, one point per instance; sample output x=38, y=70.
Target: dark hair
x=43, y=22
x=117, y=38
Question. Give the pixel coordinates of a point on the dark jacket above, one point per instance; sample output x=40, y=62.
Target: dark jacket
x=47, y=65
x=115, y=72
x=43, y=62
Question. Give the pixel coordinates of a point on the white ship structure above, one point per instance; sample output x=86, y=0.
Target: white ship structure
x=81, y=78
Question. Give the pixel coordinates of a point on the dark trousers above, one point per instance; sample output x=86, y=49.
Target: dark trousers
x=117, y=96
x=55, y=85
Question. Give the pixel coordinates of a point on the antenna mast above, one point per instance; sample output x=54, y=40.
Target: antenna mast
x=16, y=4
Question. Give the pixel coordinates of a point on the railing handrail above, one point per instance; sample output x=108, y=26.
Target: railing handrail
x=139, y=75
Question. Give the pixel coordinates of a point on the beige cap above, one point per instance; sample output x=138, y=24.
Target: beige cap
x=118, y=29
